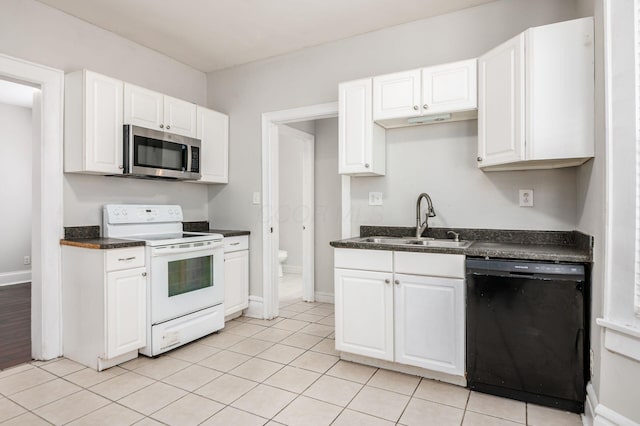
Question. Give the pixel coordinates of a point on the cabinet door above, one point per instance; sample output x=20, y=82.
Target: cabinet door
x=361, y=147
x=126, y=311
x=396, y=95
x=236, y=281
x=450, y=87
x=103, y=124
x=364, y=313
x=143, y=107
x=180, y=117
x=213, y=132
x=429, y=327
x=501, y=110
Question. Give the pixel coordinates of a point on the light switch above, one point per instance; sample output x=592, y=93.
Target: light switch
x=375, y=198
x=256, y=198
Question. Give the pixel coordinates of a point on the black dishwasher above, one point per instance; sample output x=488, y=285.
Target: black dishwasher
x=526, y=331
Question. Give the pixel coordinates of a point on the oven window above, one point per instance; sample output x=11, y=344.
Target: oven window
x=190, y=275
x=159, y=154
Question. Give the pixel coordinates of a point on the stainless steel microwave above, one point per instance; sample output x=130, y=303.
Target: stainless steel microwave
x=152, y=154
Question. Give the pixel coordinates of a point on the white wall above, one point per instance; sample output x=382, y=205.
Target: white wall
x=311, y=76
x=291, y=210
x=15, y=187
x=33, y=31
x=328, y=210
x=440, y=159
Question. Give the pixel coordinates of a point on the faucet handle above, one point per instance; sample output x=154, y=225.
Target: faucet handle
x=456, y=235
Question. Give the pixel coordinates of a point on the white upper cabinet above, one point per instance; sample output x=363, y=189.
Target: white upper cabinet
x=213, y=132
x=396, y=95
x=448, y=88
x=180, y=117
x=153, y=110
x=93, y=123
x=143, y=107
x=536, y=99
x=361, y=143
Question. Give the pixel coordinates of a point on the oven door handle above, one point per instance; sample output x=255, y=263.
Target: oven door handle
x=157, y=252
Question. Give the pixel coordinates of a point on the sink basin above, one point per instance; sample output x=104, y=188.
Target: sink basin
x=441, y=243
x=425, y=242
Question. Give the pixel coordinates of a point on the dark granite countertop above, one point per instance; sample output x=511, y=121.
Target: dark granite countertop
x=203, y=226
x=554, y=246
x=89, y=237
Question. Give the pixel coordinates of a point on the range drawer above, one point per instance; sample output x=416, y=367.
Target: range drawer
x=124, y=258
x=236, y=243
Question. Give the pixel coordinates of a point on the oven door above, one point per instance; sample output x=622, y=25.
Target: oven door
x=185, y=278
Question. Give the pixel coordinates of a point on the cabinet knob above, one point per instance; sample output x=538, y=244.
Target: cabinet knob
x=168, y=127
x=397, y=282
x=144, y=274
x=121, y=167
x=366, y=165
x=425, y=106
x=415, y=107
x=387, y=281
x=479, y=159
x=162, y=126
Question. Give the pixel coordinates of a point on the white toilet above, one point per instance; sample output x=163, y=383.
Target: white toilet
x=282, y=257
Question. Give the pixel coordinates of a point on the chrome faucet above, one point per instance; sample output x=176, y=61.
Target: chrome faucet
x=421, y=227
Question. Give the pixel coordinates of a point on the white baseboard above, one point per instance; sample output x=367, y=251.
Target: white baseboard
x=15, y=277
x=291, y=269
x=596, y=414
x=323, y=297
x=255, y=309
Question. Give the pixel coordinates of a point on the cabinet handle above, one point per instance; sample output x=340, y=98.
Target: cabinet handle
x=234, y=244
x=425, y=106
x=162, y=126
x=121, y=167
x=168, y=127
x=387, y=281
x=126, y=259
x=479, y=159
x=144, y=274
x=415, y=107
x=397, y=282
x=366, y=165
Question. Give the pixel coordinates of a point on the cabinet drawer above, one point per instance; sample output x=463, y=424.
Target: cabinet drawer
x=236, y=243
x=125, y=258
x=432, y=264
x=369, y=260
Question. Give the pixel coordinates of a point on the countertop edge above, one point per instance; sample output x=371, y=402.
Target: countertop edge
x=100, y=243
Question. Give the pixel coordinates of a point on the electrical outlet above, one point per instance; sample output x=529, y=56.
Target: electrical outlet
x=256, y=198
x=591, y=362
x=27, y=260
x=375, y=198
x=526, y=198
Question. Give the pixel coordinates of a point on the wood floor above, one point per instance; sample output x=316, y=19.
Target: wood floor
x=15, y=324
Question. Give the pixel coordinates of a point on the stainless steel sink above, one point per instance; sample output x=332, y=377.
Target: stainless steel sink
x=442, y=243
x=425, y=242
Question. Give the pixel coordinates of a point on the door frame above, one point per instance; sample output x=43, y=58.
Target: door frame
x=47, y=222
x=308, y=196
x=270, y=228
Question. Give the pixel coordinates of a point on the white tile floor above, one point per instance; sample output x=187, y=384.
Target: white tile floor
x=290, y=288
x=254, y=372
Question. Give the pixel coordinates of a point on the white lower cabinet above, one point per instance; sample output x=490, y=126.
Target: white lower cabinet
x=364, y=313
x=126, y=316
x=429, y=328
x=104, y=305
x=410, y=318
x=236, y=274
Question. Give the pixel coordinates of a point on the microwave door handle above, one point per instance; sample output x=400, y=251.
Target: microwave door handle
x=189, y=155
x=168, y=252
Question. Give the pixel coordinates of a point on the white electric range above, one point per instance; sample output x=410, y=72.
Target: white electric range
x=185, y=279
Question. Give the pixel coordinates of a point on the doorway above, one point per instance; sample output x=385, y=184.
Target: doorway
x=271, y=128
x=47, y=205
x=16, y=101
x=296, y=212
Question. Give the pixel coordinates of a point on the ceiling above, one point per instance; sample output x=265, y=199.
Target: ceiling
x=213, y=34
x=16, y=94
